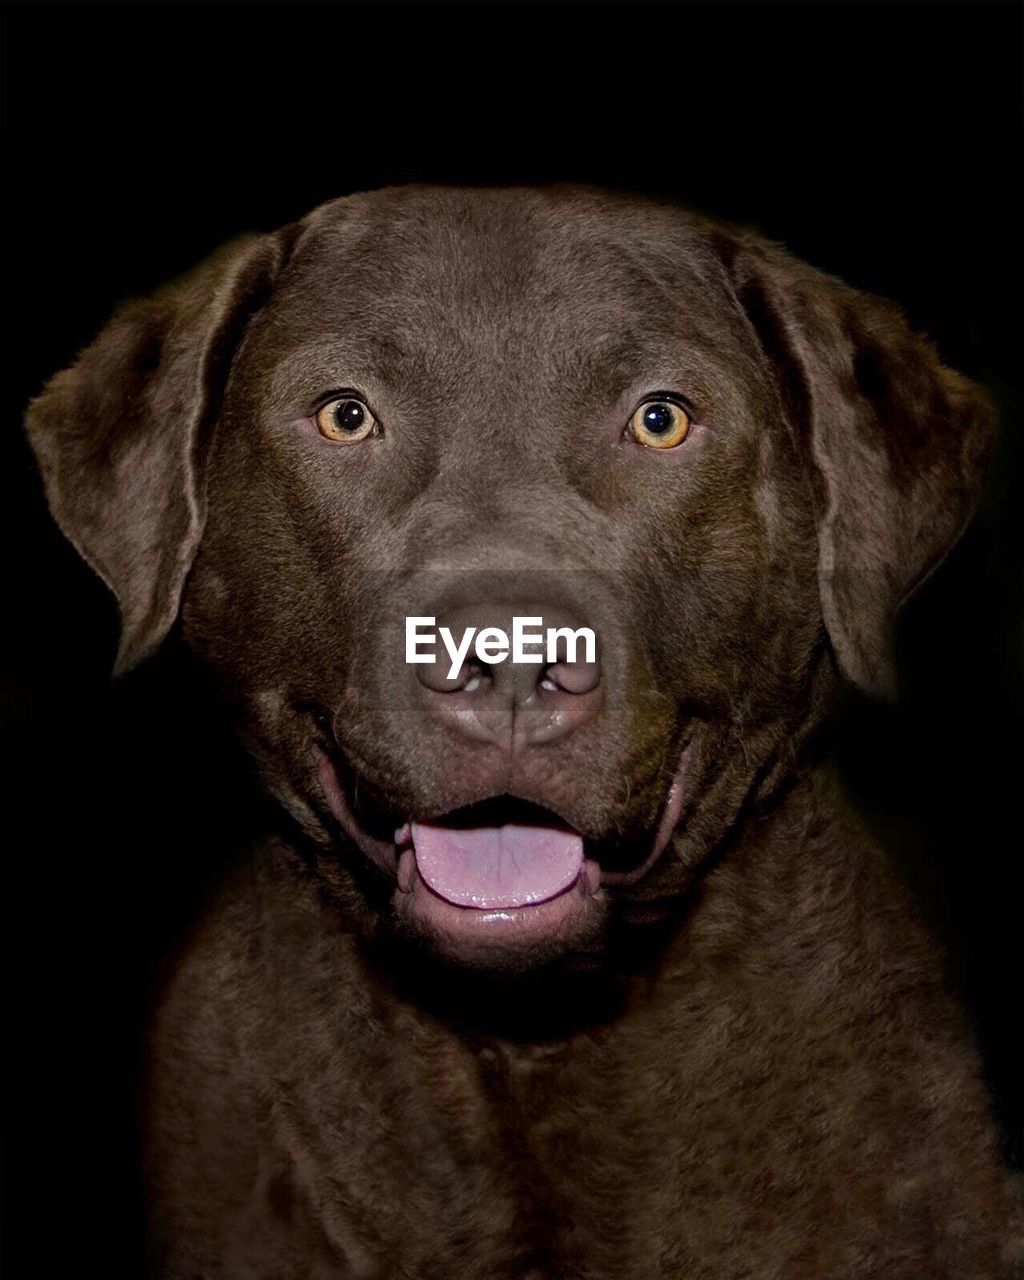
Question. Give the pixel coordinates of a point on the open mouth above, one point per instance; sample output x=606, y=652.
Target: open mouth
x=502, y=854
x=496, y=879
x=493, y=878
x=498, y=882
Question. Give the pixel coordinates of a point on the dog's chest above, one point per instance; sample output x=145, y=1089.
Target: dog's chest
x=397, y=1147
x=484, y=1161
x=710, y=1132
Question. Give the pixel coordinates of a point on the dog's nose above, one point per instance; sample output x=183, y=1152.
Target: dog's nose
x=476, y=686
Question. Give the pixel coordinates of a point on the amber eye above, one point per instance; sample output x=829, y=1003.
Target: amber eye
x=346, y=420
x=659, y=424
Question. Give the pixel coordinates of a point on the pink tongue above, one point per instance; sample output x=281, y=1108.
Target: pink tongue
x=489, y=867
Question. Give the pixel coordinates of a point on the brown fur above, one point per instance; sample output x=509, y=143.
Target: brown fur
x=747, y=1065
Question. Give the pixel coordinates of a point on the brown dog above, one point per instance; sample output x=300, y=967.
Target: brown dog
x=560, y=969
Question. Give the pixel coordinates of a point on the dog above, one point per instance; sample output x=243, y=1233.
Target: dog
x=571, y=967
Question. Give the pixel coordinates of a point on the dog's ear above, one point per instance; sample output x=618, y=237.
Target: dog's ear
x=897, y=443
x=122, y=435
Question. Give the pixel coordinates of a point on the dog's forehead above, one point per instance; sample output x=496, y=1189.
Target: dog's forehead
x=529, y=272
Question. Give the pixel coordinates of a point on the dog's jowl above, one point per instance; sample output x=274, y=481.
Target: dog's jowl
x=560, y=963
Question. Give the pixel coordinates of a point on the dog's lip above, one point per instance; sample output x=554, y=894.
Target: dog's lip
x=670, y=814
x=387, y=854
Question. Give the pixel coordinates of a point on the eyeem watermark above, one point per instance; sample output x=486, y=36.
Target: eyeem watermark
x=492, y=644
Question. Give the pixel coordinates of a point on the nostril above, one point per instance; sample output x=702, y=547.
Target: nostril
x=477, y=674
x=572, y=677
x=435, y=675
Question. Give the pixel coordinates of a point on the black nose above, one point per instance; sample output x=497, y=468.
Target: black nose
x=488, y=698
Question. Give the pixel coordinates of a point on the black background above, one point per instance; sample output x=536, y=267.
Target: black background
x=880, y=141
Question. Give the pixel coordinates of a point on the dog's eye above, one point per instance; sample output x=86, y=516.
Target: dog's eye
x=346, y=420
x=659, y=424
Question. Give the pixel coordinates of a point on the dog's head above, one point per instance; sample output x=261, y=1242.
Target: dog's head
x=472, y=406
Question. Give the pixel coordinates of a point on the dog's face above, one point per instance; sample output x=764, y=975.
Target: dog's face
x=471, y=406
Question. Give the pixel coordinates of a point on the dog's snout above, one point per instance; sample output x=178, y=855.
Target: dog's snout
x=487, y=686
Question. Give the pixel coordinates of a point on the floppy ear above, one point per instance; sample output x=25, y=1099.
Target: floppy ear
x=121, y=436
x=897, y=444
